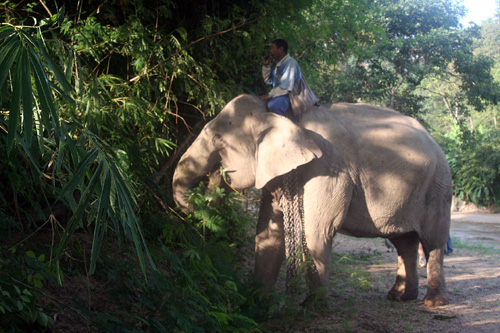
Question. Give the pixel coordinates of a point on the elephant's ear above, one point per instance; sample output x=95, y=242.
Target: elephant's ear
x=281, y=147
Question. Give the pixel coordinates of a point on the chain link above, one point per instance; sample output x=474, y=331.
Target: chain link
x=293, y=220
x=291, y=199
x=292, y=235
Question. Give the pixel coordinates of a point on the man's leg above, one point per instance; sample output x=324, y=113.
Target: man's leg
x=279, y=104
x=449, y=246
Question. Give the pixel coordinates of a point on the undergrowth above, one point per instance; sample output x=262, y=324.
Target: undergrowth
x=200, y=284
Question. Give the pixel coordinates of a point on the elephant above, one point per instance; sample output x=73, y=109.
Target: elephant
x=363, y=171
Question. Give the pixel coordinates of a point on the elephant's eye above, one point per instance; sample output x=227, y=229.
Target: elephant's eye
x=217, y=141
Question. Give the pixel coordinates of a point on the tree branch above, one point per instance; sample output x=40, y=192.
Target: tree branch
x=138, y=77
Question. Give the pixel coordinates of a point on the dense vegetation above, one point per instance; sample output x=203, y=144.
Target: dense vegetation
x=99, y=99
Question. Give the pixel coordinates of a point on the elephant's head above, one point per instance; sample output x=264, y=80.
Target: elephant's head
x=253, y=145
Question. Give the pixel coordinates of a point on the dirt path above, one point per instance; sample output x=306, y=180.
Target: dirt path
x=364, y=272
x=476, y=228
x=475, y=217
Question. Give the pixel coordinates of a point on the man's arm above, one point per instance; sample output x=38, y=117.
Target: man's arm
x=278, y=91
x=266, y=74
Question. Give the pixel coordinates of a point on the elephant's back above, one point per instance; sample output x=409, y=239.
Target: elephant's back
x=383, y=136
x=398, y=166
x=394, y=160
x=367, y=115
x=366, y=124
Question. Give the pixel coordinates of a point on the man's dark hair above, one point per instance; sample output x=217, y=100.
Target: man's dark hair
x=281, y=43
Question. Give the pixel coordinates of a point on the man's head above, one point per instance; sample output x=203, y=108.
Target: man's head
x=279, y=49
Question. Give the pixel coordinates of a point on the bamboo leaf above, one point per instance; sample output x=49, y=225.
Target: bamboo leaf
x=116, y=224
x=82, y=205
x=131, y=221
x=81, y=170
x=6, y=45
x=43, y=108
x=27, y=97
x=61, y=78
x=62, y=160
x=68, y=99
x=68, y=66
x=74, y=155
x=28, y=153
x=6, y=31
x=8, y=50
x=44, y=93
x=100, y=227
x=38, y=125
x=15, y=103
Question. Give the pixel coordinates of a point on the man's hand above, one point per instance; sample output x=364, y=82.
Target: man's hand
x=265, y=97
x=267, y=59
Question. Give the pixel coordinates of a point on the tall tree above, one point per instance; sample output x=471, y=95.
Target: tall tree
x=422, y=39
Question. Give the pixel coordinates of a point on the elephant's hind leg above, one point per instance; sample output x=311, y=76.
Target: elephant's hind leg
x=406, y=285
x=435, y=232
x=436, y=286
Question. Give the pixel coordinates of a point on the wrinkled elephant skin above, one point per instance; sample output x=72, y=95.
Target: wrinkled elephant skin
x=365, y=171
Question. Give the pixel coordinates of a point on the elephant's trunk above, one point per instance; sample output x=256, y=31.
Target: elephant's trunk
x=197, y=162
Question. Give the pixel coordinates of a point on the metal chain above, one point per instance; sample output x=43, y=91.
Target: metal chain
x=295, y=237
x=293, y=234
x=291, y=199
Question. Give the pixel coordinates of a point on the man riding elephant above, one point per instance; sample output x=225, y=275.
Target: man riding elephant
x=290, y=90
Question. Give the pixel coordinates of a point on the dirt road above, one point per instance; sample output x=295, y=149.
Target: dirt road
x=476, y=228
x=363, y=272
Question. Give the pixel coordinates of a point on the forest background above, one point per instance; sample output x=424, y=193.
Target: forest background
x=98, y=100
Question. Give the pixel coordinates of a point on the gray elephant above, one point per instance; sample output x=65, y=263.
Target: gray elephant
x=363, y=171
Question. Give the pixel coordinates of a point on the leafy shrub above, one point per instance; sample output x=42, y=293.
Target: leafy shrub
x=197, y=287
x=474, y=158
x=21, y=279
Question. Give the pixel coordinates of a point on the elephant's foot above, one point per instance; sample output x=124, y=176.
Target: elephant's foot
x=436, y=298
x=402, y=295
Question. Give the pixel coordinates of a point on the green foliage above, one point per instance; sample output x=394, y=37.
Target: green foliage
x=474, y=158
x=84, y=164
x=197, y=286
x=215, y=213
x=115, y=202
x=401, y=45
x=488, y=45
x=191, y=296
x=348, y=272
x=21, y=278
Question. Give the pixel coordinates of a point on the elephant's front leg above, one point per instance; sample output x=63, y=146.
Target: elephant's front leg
x=269, y=242
x=326, y=201
x=320, y=260
x=406, y=285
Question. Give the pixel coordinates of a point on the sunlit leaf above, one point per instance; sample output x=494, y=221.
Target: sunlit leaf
x=8, y=53
x=15, y=102
x=27, y=97
x=6, y=31
x=49, y=113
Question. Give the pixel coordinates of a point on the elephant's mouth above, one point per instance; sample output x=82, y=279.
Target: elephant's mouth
x=220, y=178
x=226, y=176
